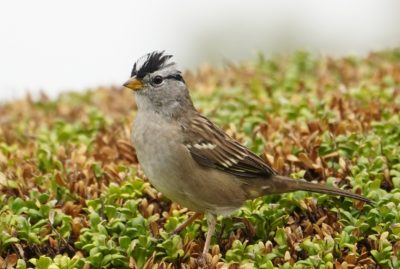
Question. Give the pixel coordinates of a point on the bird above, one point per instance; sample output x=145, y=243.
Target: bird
x=192, y=161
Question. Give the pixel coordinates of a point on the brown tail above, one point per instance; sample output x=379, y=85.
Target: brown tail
x=288, y=184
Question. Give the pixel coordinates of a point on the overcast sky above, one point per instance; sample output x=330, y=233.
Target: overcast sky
x=74, y=45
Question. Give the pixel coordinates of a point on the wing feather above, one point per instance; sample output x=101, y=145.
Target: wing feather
x=210, y=146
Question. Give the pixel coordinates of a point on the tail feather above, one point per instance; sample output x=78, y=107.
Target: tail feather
x=288, y=184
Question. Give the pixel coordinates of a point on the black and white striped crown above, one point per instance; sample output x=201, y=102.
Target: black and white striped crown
x=150, y=63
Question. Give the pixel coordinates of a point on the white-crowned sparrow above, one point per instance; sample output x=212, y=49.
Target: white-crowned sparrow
x=188, y=158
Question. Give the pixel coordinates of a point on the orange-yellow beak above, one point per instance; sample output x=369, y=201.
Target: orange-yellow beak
x=134, y=84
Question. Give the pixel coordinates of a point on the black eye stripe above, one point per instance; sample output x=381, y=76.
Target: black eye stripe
x=157, y=80
x=175, y=76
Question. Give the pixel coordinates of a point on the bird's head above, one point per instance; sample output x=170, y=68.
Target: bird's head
x=158, y=84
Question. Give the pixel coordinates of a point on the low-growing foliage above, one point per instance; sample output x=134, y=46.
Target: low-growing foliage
x=72, y=193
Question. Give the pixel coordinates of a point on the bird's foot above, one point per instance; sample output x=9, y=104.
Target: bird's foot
x=204, y=260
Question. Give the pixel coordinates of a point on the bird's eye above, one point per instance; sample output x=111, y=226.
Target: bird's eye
x=157, y=80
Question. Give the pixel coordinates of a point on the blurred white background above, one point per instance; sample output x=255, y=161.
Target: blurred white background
x=74, y=45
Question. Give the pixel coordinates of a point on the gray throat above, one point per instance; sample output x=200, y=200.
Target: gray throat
x=168, y=107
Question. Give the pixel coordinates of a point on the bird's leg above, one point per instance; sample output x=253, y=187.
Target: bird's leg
x=192, y=218
x=211, y=221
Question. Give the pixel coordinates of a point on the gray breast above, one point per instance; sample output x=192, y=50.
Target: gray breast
x=167, y=163
x=161, y=153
